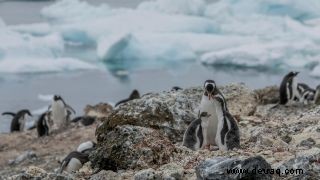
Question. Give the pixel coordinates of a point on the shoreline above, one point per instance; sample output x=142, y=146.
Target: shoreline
x=20, y=91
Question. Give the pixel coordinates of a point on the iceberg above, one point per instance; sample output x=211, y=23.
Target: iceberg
x=187, y=7
x=253, y=33
x=21, y=52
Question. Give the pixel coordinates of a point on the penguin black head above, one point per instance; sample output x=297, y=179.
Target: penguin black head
x=210, y=88
x=134, y=95
x=176, y=88
x=292, y=74
x=56, y=98
x=24, y=111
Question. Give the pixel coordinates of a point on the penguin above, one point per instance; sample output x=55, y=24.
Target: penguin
x=86, y=147
x=288, y=89
x=209, y=124
x=193, y=136
x=60, y=112
x=85, y=120
x=73, y=162
x=306, y=94
x=176, y=88
x=19, y=119
x=43, y=125
x=134, y=95
x=228, y=136
x=316, y=99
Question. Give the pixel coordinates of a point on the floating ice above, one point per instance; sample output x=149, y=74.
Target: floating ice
x=46, y=97
x=251, y=33
x=36, y=29
x=189, y=7
x=25, y=53
x=40, y=65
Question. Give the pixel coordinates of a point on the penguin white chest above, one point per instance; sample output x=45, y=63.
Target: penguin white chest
x=210, y=123
x=73, y=165
x=59, y=113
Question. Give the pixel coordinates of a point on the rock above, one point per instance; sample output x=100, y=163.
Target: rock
x=305, y=166
x=27, y=155
x=267, y=95
x=218, y=167
x=171, y=112
x=307, y=142
x=132, y=147
x=110, y=175
x=286, y=138
x=101, y=110
x=36, y=173
x=241, y=100
x=147, y=174
x=171, y=171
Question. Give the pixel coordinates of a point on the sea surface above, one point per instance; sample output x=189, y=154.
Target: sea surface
x=82, y=87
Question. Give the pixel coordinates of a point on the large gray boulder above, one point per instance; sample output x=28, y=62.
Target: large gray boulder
x=231, y=169
x=171, y=112
x=132, y=147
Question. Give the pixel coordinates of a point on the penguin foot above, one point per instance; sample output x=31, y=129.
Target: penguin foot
x=214, y=148
x=206, y=147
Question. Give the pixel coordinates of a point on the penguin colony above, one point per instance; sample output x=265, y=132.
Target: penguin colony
x=215, y=127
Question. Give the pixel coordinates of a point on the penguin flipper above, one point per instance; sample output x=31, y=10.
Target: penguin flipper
x=63, y=165
x=9, y=113
x=69, y=108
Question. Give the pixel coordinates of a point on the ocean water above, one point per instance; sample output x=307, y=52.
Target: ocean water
x=96, y=52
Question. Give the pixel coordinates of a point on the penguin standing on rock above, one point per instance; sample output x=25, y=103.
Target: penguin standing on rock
x=193, y=136
x=210, y=123
x=19, y=119
x=60, y=112
x=134, y=95
x=289, y=89
x=228, y=136
x=43, y=124
x=73, y=162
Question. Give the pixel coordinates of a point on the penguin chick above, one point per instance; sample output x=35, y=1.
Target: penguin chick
x=193, y=136
x=316, y=99
x=228, y=136
x=73, y=162
x=134, y=95
x=19, y=119
x=306, y=94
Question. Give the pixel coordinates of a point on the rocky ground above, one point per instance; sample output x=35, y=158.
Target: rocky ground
x=142, y=140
